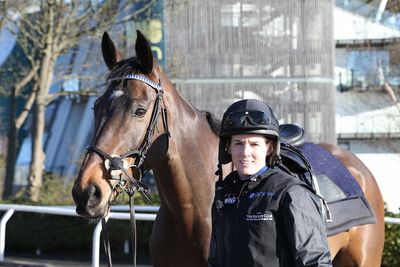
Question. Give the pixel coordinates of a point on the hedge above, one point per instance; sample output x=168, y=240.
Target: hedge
x=70, y=236
x=51, y=234
x=65, y=235
x=391, y=252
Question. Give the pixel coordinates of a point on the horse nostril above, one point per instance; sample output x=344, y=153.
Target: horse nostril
x=94, y=195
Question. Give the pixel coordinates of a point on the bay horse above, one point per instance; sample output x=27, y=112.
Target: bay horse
x=182, y=150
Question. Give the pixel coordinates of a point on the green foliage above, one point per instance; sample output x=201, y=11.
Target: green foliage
x=27, y=232
x=70, y=236
x=391, y=252
x=54, y=192
x=2, y=160
x=123, y=199
x=57, y=192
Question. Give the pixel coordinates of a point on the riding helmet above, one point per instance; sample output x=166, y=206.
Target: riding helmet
x=249, y=116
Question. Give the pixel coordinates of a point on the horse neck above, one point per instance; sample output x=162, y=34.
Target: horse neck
x=189, y=126
x=186, y=177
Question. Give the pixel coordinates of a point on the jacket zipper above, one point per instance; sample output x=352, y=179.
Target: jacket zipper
x=240, y=194
x=236, y=220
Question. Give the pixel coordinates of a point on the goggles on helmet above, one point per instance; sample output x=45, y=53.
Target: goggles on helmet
x=238, y=118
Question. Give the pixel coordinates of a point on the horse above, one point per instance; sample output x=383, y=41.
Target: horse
x=181, y=147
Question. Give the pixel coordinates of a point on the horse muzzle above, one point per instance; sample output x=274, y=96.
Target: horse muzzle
x=89, y=202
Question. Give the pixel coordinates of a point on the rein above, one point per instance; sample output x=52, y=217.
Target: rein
x=127, y=183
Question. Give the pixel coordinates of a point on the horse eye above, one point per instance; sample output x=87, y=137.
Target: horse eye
x=140, y=112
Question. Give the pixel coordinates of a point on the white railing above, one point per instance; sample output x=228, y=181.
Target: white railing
x=392, y=220
x=70, y=211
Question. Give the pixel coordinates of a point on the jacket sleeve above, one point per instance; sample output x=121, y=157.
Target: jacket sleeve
x=305, y=228
x=213, y=254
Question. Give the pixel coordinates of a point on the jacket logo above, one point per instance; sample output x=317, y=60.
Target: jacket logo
x=259, y=217
x=230, y=199
x=261, y=194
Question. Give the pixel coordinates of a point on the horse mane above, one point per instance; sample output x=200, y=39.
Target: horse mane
x=214, y=123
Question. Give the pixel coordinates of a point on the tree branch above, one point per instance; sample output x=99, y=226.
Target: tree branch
x=31, y=27
x=27, y=107
x=51, y=97
x=137, y=12
x=3, y=14
x=28, y=77
x=83, y=28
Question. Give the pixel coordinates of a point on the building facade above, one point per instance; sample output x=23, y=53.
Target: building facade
x=281, y=52
x=367, y=39
x=216, y=52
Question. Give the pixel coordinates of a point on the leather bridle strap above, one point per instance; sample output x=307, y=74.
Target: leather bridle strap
x=106, y=240
x=117, y=163
x=106, y=237
x=133, y=229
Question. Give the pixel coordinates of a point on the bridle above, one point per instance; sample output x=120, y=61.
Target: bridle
x=126, y=182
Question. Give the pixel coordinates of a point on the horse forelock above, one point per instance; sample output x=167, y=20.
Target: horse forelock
x=123, y=68
x=117, y=76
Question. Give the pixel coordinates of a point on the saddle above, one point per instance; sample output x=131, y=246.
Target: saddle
x=292, y=138
x=343, y=201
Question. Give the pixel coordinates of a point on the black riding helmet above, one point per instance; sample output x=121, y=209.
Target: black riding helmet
x=249, y=116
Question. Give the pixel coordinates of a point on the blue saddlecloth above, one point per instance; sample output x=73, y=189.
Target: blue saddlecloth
x=325, y=163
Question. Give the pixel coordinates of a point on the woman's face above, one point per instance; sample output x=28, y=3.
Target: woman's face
x=249, y=152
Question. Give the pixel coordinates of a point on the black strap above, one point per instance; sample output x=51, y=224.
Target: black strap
x=106, y=238
x=133, y=228
x=137, y=185
x=106, y=241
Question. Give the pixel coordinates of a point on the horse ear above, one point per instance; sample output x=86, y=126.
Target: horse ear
x=143, y=52
x=111, y=55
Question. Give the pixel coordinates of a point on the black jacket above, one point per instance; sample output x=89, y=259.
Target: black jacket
x=270, y=220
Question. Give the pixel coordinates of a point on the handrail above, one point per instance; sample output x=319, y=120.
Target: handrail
x=392, y=220
x=3, y=223
x=70, y=211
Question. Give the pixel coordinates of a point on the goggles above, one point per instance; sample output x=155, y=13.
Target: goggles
x=254, y=117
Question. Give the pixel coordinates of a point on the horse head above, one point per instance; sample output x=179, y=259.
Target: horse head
x=128, y=118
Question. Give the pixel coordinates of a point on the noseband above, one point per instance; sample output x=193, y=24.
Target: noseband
x=113, y=163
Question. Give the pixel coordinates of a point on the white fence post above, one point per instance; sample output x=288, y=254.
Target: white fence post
x=96, y=245
x=3, y=223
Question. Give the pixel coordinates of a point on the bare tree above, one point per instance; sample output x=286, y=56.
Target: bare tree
x=15, y=125
x=17, y=70
x=46, y=30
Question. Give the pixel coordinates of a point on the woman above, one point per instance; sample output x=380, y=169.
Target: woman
x=262, y=214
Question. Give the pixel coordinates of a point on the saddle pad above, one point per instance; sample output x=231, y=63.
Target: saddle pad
x=348, y=213
x=349, y=208
x=324, y=163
